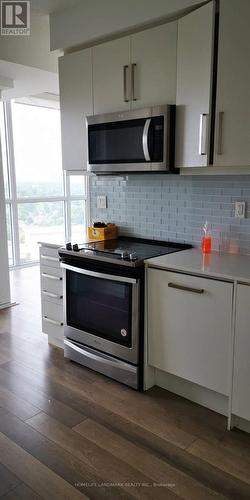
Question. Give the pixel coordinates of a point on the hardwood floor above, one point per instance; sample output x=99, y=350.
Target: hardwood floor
x=67, y=432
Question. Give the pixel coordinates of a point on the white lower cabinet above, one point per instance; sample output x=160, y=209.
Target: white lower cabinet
x=189, y=327
x=241, y=374
x=52, y=320
x=51, y=295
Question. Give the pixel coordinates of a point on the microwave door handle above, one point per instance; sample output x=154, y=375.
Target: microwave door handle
x=145, y=139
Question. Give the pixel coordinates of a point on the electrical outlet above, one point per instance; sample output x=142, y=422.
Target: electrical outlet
x=102, y=201
x=240, y=210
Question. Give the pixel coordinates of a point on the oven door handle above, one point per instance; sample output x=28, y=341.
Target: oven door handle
x=94, y=274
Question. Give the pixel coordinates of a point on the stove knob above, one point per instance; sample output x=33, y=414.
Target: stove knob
x=68, y=246
x=133, y=256
x=125, y=256
x=75, y=247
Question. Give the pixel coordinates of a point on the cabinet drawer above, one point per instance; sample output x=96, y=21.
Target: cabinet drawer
x=51, y=281
x=52, y=319
x=53, y=297
x=54, y=331
x=49, y=257
x=189, y=327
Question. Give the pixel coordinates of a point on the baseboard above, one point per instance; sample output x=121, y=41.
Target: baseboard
x=55, y=342
x=194, y=392
x=240, y=423
x=8, y=304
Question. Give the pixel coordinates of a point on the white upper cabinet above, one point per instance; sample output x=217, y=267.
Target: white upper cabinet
x=232, y=137
x=136, y=71
x=241, y=378
x=111, y=76
x=76, y=102
x=194, y=86
x=153, y=70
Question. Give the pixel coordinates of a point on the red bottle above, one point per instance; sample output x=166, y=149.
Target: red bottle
x=206, y=244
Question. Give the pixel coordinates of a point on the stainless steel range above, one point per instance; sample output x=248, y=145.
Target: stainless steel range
x=104, y=304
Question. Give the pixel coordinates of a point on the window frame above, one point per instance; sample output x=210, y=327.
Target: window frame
x=13, y=200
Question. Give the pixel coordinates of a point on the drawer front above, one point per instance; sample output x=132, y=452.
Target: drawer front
x=49, y=257
x=189, y=327
x=53, y=331
x=53, y=297
x=51, y=281
x=52, y=319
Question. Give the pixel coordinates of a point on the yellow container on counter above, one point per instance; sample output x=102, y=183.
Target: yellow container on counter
x=103, y=233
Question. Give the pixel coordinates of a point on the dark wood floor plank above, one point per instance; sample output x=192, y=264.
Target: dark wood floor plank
x=201, y=422
x=8, y=480
x=61, y=390
x=16, y=405
x=58, y=460
x=22, y=492
x=33, y=473
x=155, y=468
x=39, y=399
x=48, y=359
x=207, y=474
x=115, y=470
x=216, y=456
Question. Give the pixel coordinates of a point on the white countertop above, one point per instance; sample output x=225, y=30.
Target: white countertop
x=221, y=266
x=62, y=244
x=51, y=245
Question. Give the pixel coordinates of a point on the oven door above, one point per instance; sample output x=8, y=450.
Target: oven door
x=102, y=311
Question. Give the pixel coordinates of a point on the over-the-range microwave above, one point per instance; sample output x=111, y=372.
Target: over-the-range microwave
x=140, y=140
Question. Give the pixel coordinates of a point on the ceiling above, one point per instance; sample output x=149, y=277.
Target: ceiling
x=27, y=80
x=51, y=6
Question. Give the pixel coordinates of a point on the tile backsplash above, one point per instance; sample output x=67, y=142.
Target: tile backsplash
x=169, y=207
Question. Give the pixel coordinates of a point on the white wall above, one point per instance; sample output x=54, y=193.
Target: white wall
x=27, y=80
x=32, y=50
x=95, y=19
x=4, y=269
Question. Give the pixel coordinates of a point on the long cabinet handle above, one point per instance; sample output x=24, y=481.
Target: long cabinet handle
x=219, y=132
x=133, y=81
x=53, y=321
x=125, y=83
x=51, y=294
x=52, y=277
x=48, y=257
x=203, y=134
x=186, y=288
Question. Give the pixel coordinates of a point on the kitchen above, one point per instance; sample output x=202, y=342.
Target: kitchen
x=154, y=118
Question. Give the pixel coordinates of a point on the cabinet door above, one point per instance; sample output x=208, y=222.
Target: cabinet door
x=76, y=103
x=232, y=145
x=189, y=327
x=110, y=84
x=153, y=57
x=194, y=86
x=241, y=378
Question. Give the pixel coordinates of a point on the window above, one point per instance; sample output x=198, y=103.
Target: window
x=43, y=203
x=37, y=151
x=42, y=221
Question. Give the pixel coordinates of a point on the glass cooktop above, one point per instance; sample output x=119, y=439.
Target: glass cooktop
x=136, y=249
